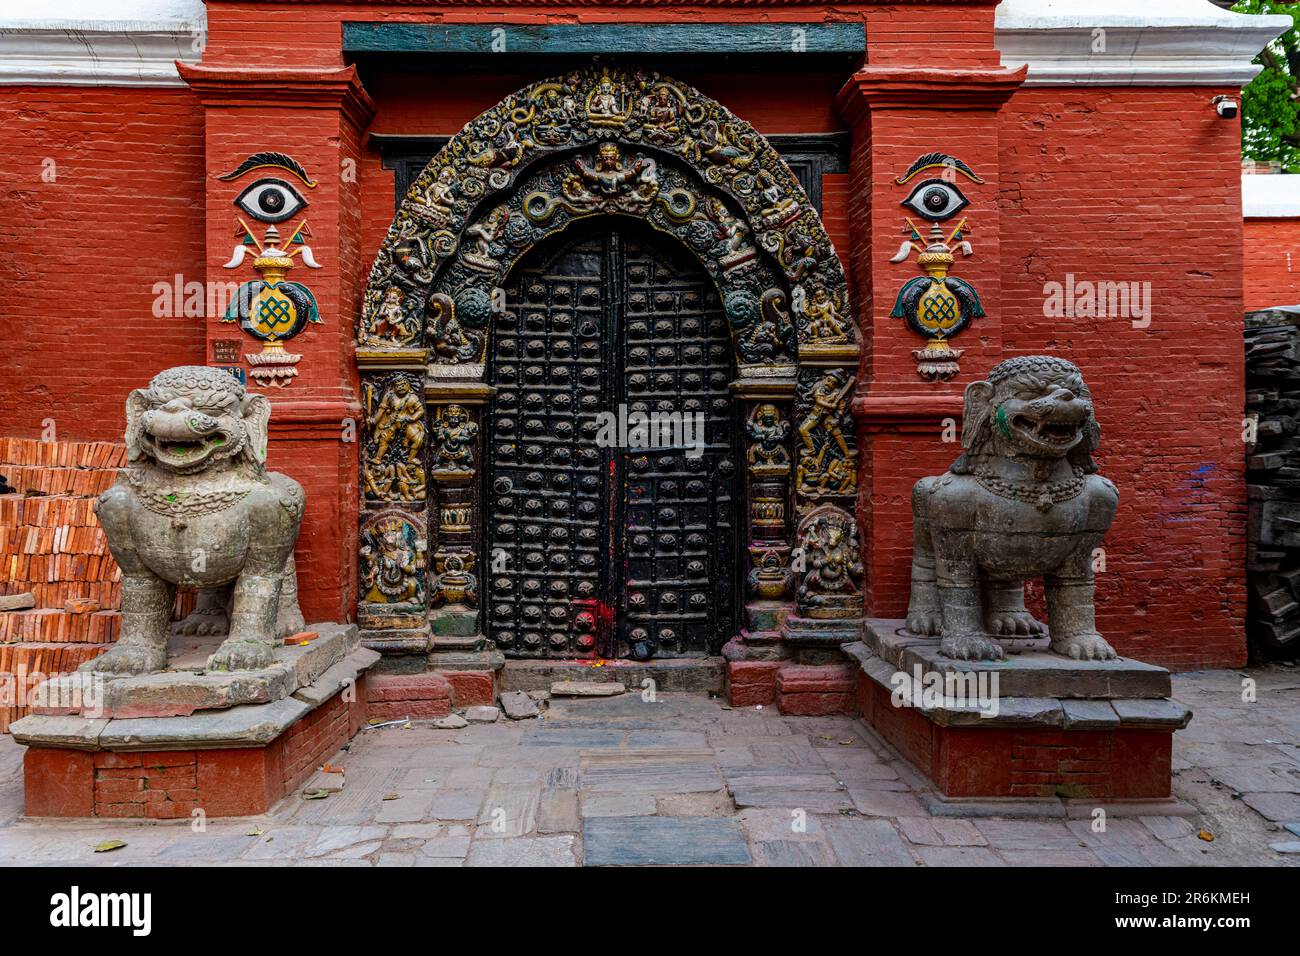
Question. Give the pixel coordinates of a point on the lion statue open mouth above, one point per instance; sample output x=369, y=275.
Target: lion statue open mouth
x=1023, y=501
x=196, y=508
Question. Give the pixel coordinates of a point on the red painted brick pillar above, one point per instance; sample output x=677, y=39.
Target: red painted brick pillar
x=909, y=427
x=316, y=117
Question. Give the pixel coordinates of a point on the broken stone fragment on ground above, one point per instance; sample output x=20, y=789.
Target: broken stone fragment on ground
x=482, y=715
x=518, y=705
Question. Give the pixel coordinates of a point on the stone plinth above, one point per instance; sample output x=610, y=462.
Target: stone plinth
x=188, y=686
x=1033, y=725
x=226, y=759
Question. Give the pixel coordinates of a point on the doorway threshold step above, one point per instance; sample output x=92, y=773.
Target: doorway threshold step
x=688, y=674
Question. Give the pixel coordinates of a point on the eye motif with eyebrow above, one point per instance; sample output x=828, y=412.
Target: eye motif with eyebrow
x=936, y=200
x=270, y=200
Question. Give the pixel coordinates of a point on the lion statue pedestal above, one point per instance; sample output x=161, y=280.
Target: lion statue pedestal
x=1069, y=721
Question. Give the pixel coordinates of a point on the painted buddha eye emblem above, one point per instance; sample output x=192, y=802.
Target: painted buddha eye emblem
x=936, y=200
x=270, y=200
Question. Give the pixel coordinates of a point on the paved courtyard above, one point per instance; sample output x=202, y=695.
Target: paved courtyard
x=686, y=780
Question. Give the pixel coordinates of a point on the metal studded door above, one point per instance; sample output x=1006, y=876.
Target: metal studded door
x=598, y=548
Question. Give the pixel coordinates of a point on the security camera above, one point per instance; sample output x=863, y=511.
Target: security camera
x=1225, y=106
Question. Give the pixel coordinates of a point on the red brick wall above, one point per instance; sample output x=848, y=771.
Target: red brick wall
x=1144, y=185
x=79, y=256
x=1271, y=257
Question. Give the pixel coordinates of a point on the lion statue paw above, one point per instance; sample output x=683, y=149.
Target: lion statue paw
x=1013, y=624
x=1085, y=647
x=127, y=660
x=971, y=647
x=239, y=654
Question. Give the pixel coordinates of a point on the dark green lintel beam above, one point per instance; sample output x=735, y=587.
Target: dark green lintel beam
x=815, y=45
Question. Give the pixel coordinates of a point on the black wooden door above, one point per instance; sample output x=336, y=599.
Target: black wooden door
x=597, y=548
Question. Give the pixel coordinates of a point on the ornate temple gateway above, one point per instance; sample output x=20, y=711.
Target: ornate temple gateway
x=740, y=345
x=605, y=239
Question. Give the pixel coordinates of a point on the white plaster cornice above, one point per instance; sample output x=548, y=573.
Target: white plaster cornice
x=1140, y=43
x=99, y=42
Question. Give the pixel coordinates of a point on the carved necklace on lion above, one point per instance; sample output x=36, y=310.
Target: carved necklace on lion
x=181, y=503
x=1041, y=497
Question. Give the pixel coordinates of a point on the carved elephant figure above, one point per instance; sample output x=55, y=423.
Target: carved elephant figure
x=195, y=507
x=1022, y=502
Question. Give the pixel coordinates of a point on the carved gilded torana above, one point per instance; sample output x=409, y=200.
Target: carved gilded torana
x=596, y=142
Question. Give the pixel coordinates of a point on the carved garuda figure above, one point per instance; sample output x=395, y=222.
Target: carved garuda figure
x=1024, y=501
x=196, y=507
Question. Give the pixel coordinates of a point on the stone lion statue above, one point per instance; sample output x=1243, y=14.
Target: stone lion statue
x=1023, y=501
x=196, y=507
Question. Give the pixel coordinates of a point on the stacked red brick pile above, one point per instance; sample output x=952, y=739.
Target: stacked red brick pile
x=52, y=546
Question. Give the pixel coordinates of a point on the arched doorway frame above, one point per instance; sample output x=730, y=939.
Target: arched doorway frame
x=600, y=141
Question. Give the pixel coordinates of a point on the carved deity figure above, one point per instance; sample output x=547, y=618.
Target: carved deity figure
x=825, y=324
x=605, y=105
x=828, y=537
x=662, y=114
x=391, y=321
x=399, y=423
x=483, y=234
x=392, y=561
x=767, y=430
x=196, y=507
x=453, y=437
x=1023, y=501
x=826, y=462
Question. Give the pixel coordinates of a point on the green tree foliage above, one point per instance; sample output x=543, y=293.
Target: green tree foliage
x=1270, y=112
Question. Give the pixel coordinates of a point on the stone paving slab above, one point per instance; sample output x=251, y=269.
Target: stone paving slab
x=663, y=841
x=706, y=785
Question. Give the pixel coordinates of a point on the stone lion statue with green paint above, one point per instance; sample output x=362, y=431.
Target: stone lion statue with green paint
x=1023, y=501
x=196, y=507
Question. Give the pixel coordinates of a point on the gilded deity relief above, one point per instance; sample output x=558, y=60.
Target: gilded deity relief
x=393, y=468
x=831, y=585
x=453, y=440
x=767, y=430
x=827, y=458
x=392, y=559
